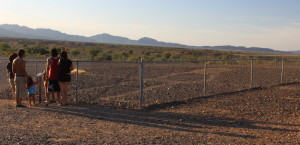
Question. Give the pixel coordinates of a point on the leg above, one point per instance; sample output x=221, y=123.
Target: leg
x=58, y=96
x=62, y=91
x=17, y=92
x=46, y=90
x=13, y=87
x=47, y=96
x=53, y=97
x=14, y=90
x=66, y=92
x=57, y=89
x=33, y=98
x=29, y=98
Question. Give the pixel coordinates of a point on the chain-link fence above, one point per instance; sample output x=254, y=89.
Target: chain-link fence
x=143, y=84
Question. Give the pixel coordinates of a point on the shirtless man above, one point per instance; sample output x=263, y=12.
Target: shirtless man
x=20, y=77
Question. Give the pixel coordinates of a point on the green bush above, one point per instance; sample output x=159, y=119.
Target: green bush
x=167, y=55
x=132, y=58
x=94, y=52
x=75, y=52
x=4, y=46
x=37, y=50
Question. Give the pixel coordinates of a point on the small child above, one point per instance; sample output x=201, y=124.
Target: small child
x=31, y=90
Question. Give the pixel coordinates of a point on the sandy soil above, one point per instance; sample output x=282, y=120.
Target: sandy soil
x=267, y=116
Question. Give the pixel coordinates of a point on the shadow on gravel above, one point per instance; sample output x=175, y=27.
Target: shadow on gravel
x=168, y=121
x=197, y=99
x=192, y=100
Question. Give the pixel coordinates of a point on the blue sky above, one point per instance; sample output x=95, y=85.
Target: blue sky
x=262, y=23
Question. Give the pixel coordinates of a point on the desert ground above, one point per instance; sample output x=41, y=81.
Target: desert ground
x=267, y=116
x=175, y=109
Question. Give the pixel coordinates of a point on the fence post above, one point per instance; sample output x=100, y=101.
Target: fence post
x=76, y=97
x=282, y=71
x=35, y=65
x=141, y=83
x=251, y=74
x=204, y=77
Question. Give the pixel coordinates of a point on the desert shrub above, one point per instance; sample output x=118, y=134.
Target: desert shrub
x=37, y=50
x=130, y=52
x=147, y=53
x=4, y=46
x=176, y=57
x=108, y=57
x=94, y=52
x=105, y=57
x=124, y=53
x=189, y=57
x=117, y=57
x=159, y=59
x=167, y=55
x=75, y=52
x=132, y=58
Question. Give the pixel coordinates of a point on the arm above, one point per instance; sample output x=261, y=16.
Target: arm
x=7, y=71
x=14, y=68
x=49, y=62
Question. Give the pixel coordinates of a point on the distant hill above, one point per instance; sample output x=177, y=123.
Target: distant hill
x=295, y=52
x=242, y=48
x=16, y=31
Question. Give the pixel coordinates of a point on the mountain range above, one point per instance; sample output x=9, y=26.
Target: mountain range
x=16, y=31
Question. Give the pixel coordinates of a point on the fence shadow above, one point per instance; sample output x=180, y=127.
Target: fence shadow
x=168, y=121
x=166, y=105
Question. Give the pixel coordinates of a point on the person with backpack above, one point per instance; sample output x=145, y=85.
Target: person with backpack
x=10, y=73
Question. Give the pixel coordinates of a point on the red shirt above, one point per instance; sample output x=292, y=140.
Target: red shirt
x=54, y=69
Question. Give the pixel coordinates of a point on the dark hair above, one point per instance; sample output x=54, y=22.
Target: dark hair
x=54, y=52
x=29, y=82
x=64, y=54
x=12, y=57
x=21, y=52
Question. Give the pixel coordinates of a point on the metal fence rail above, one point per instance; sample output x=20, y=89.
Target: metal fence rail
x=145, y=83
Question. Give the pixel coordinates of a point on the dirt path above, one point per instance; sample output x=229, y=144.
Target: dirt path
x=254, y=117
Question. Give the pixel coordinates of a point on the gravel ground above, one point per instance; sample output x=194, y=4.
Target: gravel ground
x=116, y=84
x=267, y=116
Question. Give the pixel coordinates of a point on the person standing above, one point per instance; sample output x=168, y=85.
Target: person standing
x=64, y=77
x=52, y=71
x=19, y=71
x=10, y=74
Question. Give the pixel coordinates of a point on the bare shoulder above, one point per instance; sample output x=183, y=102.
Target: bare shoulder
x=49, y=60
x=16, y=60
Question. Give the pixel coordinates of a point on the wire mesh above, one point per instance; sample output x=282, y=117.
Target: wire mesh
x=107, y=83
x=118, y=83
x=166, y=82
x=227, y=76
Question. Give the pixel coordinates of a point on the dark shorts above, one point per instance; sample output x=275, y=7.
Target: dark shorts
x=64, y=78
x=53, y=86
